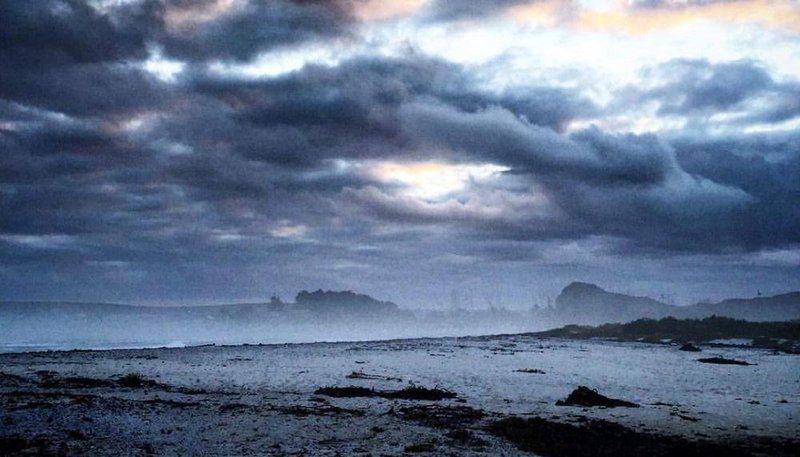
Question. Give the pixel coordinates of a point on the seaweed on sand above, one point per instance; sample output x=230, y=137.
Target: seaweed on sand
x=362, y=375
x=345, y=392
x=76, y=382
x=604, y=439
x=411, y=392
x=419, y=393
x=723, y=361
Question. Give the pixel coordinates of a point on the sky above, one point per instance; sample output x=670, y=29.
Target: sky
x=434, y=153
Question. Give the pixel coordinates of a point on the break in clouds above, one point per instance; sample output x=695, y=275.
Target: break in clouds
x=205, y=151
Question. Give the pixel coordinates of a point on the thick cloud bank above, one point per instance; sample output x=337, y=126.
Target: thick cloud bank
x=141, y=160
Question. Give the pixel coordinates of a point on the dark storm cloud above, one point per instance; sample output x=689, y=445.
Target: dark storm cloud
x=625, y=186
x=766, y=167
x=67, y=57
x=499, y=136
x=83, y=89
x=59, y=32
x=542, y=106
x=695, y=87
x=241, y=32
x=48, y=33
x=354, y=109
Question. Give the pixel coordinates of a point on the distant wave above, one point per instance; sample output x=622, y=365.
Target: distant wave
x=92, y=346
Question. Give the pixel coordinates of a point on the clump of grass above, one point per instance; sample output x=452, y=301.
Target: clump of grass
x=135, y=380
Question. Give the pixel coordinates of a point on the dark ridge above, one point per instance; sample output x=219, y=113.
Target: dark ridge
x=589, y=304
x=583, y=303
x=345, y=301
x=783, y=336
x=584, y=396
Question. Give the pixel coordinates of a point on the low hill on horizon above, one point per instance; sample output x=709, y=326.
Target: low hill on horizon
x=585, y=303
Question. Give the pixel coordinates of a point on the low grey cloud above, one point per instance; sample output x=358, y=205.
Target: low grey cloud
x=444, y=10
x=701, y=88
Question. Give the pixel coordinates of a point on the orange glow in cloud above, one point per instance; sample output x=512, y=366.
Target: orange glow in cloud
x=376, y=10
x=623, y=18
x=188, y=17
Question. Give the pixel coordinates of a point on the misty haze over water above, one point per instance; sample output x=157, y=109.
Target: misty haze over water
x=337, y=316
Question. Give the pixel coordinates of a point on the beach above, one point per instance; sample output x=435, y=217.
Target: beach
x=266, y=399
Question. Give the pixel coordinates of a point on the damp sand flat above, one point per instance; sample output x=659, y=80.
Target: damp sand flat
x=261, y=399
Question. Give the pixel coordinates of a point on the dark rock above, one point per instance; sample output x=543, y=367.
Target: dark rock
x=689, y=347
x=584, y=396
